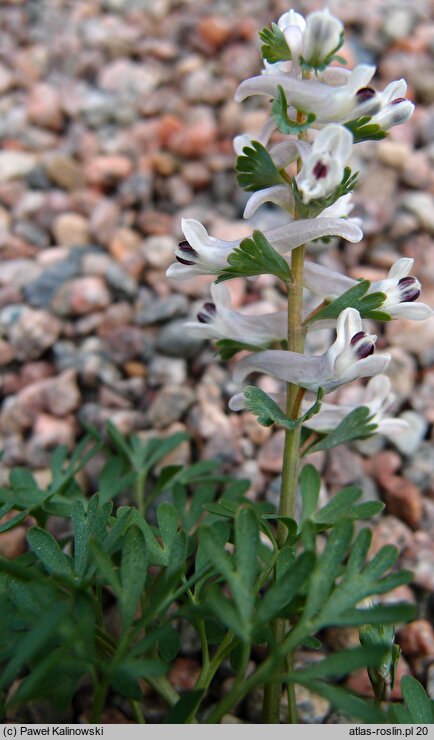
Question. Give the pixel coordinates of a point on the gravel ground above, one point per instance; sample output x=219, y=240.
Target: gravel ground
x=116, y=120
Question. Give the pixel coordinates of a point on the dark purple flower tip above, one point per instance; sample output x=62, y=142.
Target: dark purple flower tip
x=397, y=101
x=210, y=307
x=409, y=288
x=188, y=251
x=320, y=170
x=365, y=93
x=207, y=314
x=357, y=337
x=184, y=262
x=362, y=344
x=365, y=349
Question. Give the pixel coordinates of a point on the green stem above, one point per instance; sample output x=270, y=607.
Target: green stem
x=139, y=490
x=291, y=456
x=225, y=647
x=274, y=661
x=163, y=687
x=138, y=713
x=291, y=459
x=99, y=701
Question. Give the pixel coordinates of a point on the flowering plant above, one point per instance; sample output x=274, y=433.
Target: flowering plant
x=319, y=112
x=112, y=585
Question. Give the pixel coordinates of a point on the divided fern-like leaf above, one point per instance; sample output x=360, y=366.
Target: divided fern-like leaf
x=255, y=168
x=255, y=256
x=274, y=47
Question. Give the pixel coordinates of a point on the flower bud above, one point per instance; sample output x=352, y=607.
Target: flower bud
x=321, y=37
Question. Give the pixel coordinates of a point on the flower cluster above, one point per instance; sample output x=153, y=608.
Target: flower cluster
x=323, y=110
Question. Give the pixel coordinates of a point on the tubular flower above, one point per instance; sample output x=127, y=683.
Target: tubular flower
x=395, y=108
x=322, y=36
x=201, y=254
x=323, y=170
x=377, y=397
x=400, y=288
x=218, y=320
x=350, y=357
x=340, y=97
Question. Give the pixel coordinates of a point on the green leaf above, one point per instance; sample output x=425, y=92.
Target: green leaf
x=310, y=482
x=111, y=482
x=416, y=701
x=274, y=47
x=247, y=543
x=87, y=524
x=221, y=532
x=246, y=559
x=184, y=708
x=338, y=665
x=49, y=553
x=157, y=555
x=397, y=714
x=215, y=553
x=280, y=594
x=269, y=412
x=362, y=130
x=342, y=506
x=105, y=567
x=133, y=573
x=225, y=611
x=393, y=614
x=323, y=577
x=14, y=521
x=126, y=675
x=167, y=517
x=164, y=447
x=34, y=641
x=279, y=111
x=255, y=256
x=255, y=168
x=227, y=348
x=356, y=297
x=356, y=425
x=169, y=643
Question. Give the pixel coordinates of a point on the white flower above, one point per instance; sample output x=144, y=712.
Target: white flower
x=280, y=195
x=401, y=289
x=201, y=254
x=293, y=25
x=395, y=108
x=218, y=320
x=377, y=397
x=350, y=357
x=340, y=97
x=323, y=170
x=321, y=37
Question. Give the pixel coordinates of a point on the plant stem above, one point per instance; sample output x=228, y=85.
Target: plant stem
x=273, y=661
x=291, y=458
x=138, y=713
x=163, y=687
x=139, y=490
x=222, y=651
